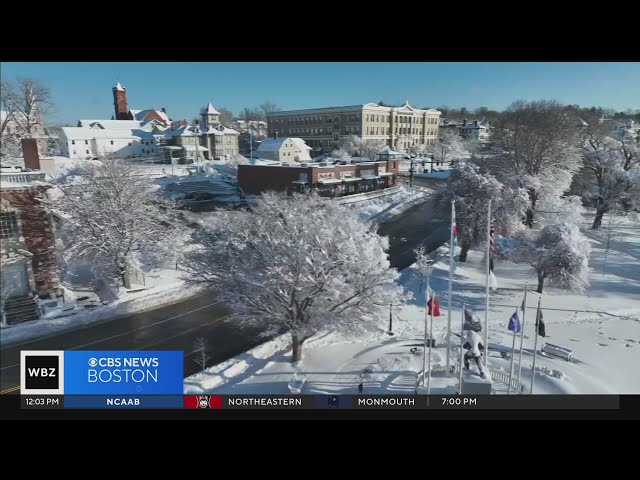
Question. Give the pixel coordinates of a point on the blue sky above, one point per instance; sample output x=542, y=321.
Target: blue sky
x=83, y=90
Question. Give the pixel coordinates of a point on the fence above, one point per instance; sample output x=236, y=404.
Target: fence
x=495, y=375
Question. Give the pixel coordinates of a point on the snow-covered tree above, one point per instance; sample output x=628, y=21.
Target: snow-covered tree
x=341, y=154
x=448, y=147
x=352, y=145
x=201, y=352
x=472, y=189
x=422, y=264
x=611, y=175
x=110, y=214
x=558, y=253
x=370, y=148
x=537, y=150
x=301, y=264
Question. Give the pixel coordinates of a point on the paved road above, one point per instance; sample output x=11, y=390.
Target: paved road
x=176, y=326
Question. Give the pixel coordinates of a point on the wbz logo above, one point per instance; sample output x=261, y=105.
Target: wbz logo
x=41, y=372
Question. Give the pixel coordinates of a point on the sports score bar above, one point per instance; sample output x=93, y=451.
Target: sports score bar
x=110, y=379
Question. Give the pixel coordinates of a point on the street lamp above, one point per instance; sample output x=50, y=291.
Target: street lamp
x=390, y=332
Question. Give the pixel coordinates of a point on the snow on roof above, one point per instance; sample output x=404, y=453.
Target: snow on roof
x=210, y=109
x=120, y=87
x=81, y=133
x=111, y=124
x=275, y=144
x=388, y=151
x=263, y=161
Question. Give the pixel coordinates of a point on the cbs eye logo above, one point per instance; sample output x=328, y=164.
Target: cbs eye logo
x=93, y=362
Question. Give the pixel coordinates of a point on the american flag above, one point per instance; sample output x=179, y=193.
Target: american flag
x=492, y=245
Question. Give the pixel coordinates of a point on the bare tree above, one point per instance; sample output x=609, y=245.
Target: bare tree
x=30, y=101
x=226, y=116
x=201, y=354
x=110, y=214
x=7, y=104
x=269, y=107
x=422, y=264
x=299, y=264
x=537, y=145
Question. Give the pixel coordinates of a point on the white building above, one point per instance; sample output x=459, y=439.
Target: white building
x=123, y=138
x=287, y=149
x=476, y=131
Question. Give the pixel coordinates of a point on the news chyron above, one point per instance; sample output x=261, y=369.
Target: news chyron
x=107, y=372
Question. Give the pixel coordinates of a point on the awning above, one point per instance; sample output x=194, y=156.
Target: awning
x=329, y=181
x=351, y=179
x=371, y=178
x=300, y=182
x=386, y=174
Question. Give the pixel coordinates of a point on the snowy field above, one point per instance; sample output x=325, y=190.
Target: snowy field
x=601, y=327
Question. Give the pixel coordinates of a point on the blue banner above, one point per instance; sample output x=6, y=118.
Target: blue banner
x=123, y=401
x=88, y=372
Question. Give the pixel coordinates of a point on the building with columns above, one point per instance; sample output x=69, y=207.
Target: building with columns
x=402, y=128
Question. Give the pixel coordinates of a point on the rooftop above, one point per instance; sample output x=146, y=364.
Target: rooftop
x=406, y=108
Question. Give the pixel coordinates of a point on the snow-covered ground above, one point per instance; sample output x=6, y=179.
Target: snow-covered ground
x=163, y=286
x=601, y=327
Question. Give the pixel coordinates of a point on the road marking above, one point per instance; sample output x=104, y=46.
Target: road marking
x=126, y=333
x=9, y=390
x=181, y=333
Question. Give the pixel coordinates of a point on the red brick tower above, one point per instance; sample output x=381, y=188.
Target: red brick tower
x=120, y=101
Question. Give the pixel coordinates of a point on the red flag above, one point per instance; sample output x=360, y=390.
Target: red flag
x=435, y=311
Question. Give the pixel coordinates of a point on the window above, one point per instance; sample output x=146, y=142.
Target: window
x=74, y=152
x=73, y=142
x=8, y=225
x=111, y=142
x=86, y=142
x=129, y=143
x=87, y=152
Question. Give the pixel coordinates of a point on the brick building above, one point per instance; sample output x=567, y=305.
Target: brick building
x=27, y=252
x=402, y=128
x=332, y=180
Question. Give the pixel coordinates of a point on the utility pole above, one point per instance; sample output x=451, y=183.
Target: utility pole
x=390, y=332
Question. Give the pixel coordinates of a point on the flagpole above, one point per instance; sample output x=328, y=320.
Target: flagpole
x=513, y=354
x=535, y=348
x=424, y=352
x=451, y=248
x=524, y=312
x=433, y=301
x=461, y=349
x=486, y=287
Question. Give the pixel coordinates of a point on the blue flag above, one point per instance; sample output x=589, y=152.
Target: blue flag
x=514, y=323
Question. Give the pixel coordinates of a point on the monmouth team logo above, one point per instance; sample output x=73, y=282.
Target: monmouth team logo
x=41, y=372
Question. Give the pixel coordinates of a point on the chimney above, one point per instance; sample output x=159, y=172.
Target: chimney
x=164, y=110
x=30, y=153
x=475, y=123
x=464, y=122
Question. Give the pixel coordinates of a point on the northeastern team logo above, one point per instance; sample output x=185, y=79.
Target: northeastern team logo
x=204, y=401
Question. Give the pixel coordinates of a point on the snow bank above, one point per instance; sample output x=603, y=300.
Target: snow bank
x=133, y=302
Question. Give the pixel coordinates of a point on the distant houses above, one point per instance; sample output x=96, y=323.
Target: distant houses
x=150, y=133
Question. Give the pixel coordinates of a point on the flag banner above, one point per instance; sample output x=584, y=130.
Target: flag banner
x=522, y=307
x=471, y=321
x=514, y=323
x=491, y=264
x=493, y=282
x=433, y=306
x=540, y=325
